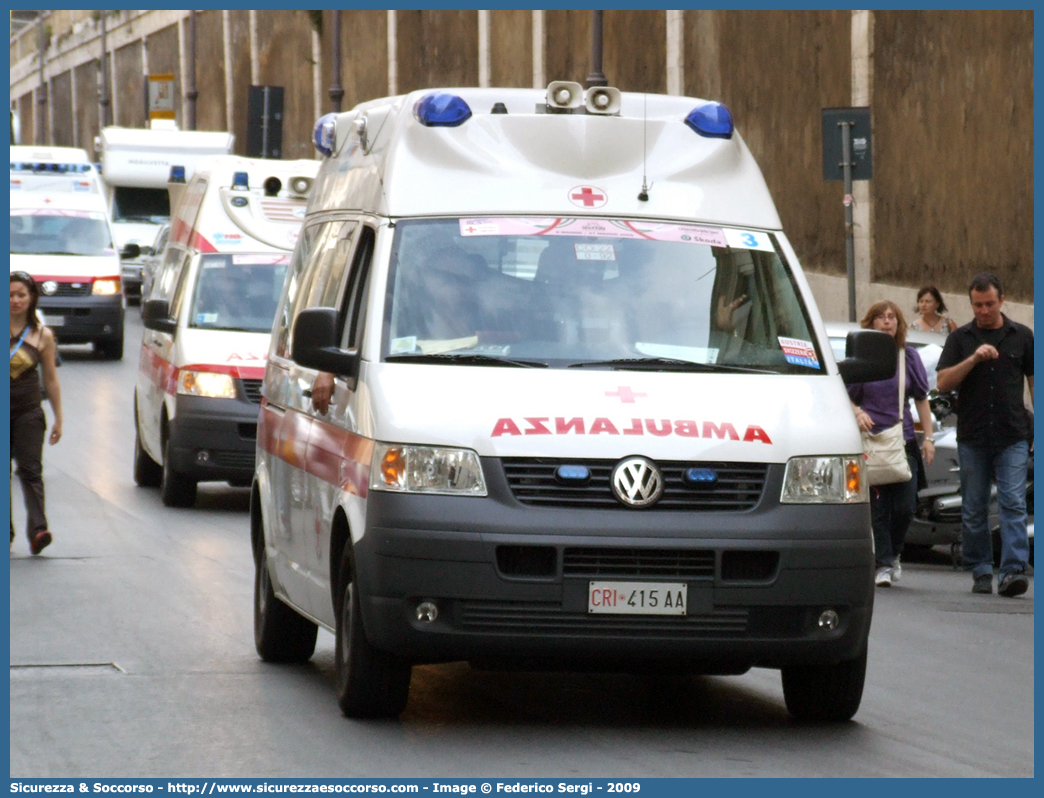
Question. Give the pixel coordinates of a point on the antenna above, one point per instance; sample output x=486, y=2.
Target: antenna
x=643, y=195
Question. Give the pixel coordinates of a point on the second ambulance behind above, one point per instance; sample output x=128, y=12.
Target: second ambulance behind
x=585, y=412
x=208, y=322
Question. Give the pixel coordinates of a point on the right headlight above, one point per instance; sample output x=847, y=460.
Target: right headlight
x=825, y=480
x=426, y=469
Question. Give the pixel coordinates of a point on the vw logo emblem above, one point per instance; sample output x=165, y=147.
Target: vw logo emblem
x=50, y=288
x=637, y=482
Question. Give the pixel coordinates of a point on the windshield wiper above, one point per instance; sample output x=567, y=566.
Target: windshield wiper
x=464, y=358
x=664, y=364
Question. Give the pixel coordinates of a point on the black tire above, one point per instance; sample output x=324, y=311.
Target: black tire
x=370, y=683
x=825, y=693
x=280, y=634
x=176, y=489
x=147, y=472
x=110, y=348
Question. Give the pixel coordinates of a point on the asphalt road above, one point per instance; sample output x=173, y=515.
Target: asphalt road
x=132, y=655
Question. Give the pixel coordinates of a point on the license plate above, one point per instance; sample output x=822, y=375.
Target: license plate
x=55, y=321
x=637, y=598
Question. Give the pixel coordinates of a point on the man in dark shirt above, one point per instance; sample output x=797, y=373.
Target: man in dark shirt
x=987, y=360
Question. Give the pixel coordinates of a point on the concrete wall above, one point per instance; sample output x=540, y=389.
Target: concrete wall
x=953, y=148
x=951, y=94
x=437, y=48
x=511, y=48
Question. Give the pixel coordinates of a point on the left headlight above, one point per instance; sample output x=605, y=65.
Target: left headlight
x=106, y=287
x=825, y=480
x=206, y=383
x=426, y=469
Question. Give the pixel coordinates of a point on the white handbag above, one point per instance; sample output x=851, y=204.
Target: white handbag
x=885, y=452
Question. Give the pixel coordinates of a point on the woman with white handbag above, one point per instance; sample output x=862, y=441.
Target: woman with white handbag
x=882, y=411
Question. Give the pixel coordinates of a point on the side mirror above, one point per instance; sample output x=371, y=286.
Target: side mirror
x=315, y=344
x=130, y=252
x=155, y=315
x=870, y=356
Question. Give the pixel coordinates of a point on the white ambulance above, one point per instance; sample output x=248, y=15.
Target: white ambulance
x=585, y=412
x=135, y=165
x=208, y=321
x=52, y=170
x=61, y=235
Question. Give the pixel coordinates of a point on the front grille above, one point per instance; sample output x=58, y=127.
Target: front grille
x=228, y=459
x=72, y=289
x=252, y=389
x=546, y=618
x=67, y=312
x=638, y=563
x=738, y=486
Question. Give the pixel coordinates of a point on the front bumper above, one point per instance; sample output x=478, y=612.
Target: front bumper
x=81, y=320
x=214, y=439
x=511, y=581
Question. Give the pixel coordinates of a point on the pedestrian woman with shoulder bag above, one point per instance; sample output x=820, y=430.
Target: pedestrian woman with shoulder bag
x=32, y=344
x=882, y=411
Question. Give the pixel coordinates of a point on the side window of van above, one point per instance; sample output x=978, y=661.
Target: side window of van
x=180, y=286
x=294, y=275
x=353, y=309
x=321, y=274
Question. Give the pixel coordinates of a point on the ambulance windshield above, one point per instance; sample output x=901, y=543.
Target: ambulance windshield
x=593, y=293
x=238, y=292
x=60, y=232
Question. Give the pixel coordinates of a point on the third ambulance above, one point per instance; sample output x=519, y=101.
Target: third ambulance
x=208, y=321
x=585, y=413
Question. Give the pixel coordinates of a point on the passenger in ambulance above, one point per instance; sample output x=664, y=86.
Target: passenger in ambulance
x=222, y=298
x=585, y=312
x=443, y=296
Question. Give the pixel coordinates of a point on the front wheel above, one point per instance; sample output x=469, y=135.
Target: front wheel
x=825, y=693
x=370, y=683
x=176, y=489
x=280, y=634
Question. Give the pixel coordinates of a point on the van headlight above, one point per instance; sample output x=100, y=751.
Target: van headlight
x=825, y=480
x=206, y=383
x=106, y=287
x=426, y=469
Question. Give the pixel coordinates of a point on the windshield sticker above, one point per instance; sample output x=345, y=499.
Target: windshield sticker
x=595, y=251
x=260, y=260
x=748, y=239
x=798, y=352
x=401, y=345
x=206, y=318
x=593, y=228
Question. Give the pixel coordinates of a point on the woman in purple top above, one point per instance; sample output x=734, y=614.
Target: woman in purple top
x=876, y=406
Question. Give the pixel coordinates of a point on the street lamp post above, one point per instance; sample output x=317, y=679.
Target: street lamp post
x=336, y=92
x=190, y=90
x=596, y=78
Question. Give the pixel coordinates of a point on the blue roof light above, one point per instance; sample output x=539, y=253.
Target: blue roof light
x=177, y=174
x=324, y=136
x=240, y=181
x=712, y=120
x=441, y=110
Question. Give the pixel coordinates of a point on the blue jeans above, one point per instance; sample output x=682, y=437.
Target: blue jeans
x=980, y=466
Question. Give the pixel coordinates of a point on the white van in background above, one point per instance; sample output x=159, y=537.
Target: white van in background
x=585, y=411
x=208, y=322
x=135, y=167
x=64, y=240
x=52, y=170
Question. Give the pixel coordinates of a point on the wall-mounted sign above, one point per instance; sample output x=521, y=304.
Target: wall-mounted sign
x=161, y=97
